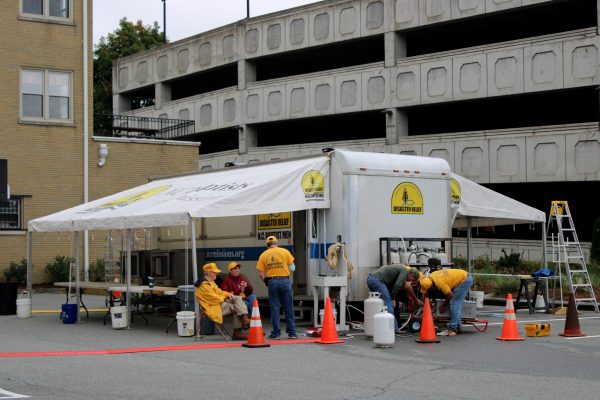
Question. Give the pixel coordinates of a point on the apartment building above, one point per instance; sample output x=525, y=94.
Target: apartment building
x=55, y=159
x=504, y=90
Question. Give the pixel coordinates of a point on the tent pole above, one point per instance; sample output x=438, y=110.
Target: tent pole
x=29, y=263
x=128, y=291
x=469, y=261
x=77, y=288
x=544, y=248
x=195, y=273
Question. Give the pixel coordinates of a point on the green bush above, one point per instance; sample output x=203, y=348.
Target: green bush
x=460, y=262
x=17, y=272
x=510, y=262
x=97, y=271
x=59, y=268
x=483, y=264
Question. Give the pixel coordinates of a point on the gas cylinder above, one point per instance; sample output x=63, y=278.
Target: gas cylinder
x=383, y=328
x=373, y=304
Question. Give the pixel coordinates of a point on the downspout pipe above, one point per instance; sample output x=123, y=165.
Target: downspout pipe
x=86, y=249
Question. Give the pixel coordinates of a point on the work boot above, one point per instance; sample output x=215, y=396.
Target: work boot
x=239, y=335
x=245, y=321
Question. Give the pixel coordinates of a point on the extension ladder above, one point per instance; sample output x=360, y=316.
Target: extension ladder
x=567, y=254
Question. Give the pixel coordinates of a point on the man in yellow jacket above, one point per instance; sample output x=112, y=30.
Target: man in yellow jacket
x=455, y=285
x=217, y=303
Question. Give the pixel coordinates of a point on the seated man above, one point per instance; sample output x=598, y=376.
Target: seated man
x=217, y=303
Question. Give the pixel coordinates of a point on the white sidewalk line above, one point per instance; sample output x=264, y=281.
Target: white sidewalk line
x=539, y=320
x=11, y=395
x=583, y=337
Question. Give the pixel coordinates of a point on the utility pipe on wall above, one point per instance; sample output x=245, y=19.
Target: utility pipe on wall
x=86, y=250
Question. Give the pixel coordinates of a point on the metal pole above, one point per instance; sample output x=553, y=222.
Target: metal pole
x=247, y=8
x=164, y=21
x=469, y=255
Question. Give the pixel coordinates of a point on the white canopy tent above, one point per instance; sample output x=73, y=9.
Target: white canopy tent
x=291, y=185
x=281, y=186
x=480, y=206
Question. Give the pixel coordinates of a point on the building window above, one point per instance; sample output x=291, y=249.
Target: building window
x=11, y=214
x=45, y=95
x=47, y=8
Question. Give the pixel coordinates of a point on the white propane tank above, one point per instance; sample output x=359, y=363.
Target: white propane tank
x=373, y=304
x=394, y=257
x=383, y=328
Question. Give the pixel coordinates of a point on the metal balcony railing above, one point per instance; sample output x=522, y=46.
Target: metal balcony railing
x=110, y=125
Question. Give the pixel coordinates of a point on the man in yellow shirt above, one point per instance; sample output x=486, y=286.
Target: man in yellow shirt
x=217, y=303
x=454, y=284
x=274, y=267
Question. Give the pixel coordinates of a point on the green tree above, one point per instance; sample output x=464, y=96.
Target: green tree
x=128, y=39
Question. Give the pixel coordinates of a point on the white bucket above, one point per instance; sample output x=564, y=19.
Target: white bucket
x=477, y=297
x=119, y=317
x=24, y=306
x=539, y=303
x=185, y=323
x=322, y=312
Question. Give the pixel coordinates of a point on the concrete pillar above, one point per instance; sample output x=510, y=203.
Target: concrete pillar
x=247, y=138
x=162, y=94
x=395, y=48
x=121, y=103
x=396, y=125
x=246, y=73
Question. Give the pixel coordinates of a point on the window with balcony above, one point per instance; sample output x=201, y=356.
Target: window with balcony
x=46, y=95
x=11, y=214
x=47, y=8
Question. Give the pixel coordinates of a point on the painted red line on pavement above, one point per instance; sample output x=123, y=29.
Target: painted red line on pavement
x=143, y=349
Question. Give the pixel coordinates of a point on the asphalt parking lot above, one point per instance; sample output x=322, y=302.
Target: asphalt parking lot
x=42, y=358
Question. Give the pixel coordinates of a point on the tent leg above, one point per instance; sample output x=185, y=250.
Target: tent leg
x=469, y=250
x=77, y=288
x=29, y=263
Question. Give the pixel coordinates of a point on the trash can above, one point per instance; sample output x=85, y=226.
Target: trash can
x=69, y=313
x=8, y=298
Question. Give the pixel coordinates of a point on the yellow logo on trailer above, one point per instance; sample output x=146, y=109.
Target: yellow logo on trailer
x=407, y=199
x=454, y=191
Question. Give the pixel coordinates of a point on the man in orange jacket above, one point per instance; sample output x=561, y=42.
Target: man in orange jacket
x=217, y=303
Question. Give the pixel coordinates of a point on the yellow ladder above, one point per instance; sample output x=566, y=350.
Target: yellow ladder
x=568, y=255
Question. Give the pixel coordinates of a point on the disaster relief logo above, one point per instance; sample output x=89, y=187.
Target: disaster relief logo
x=454, y=192
x=123, y=201
x=407, y=199
x=275, y=221
x=313, y=186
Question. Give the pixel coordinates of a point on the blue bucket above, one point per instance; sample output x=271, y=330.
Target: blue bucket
x=69, y=313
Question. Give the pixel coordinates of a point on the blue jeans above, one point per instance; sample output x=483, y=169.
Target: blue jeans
x=249, y=302
x=280, y=294
x=458, y=297
x=375, y=285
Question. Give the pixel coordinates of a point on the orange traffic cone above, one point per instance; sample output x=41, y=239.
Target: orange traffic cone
x=509, y=328
x=427, y=334
x=116, y=294
x=328, y=332
x=256, y=336
x=572, y=321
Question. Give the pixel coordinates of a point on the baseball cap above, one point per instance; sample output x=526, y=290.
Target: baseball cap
x=271, y=239
x=232, y=265
x=211, y=267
